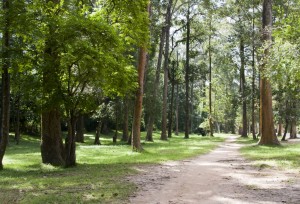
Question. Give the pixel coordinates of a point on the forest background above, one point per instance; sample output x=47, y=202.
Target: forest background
x=177, y=65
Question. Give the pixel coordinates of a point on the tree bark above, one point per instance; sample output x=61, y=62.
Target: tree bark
x=211, y=129
x=192, y=107
x=177, y=99
x=17, y=122
x=285, y=129
x=70, y=145
x=4, y=133
x=170, y=126
x=136, y=124
x=253, y=74
x=80, y=129
x=267, y=124
x=243, y=92
x=293, y=130
x=279, y=132
x=52, y=148
x=187, y=77
x=115, y=137
x=166, y=71
x=177, y=110
x=149, y=136
x=125, y=121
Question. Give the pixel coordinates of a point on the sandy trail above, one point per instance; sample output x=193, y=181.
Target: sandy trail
x=221, y=176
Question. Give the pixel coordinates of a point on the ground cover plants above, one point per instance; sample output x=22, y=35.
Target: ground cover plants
x=285, y=156
x=99, y=175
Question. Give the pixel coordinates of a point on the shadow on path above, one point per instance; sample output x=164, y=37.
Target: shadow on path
x=222, y=176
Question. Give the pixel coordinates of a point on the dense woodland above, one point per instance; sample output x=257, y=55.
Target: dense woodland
x=204, y=66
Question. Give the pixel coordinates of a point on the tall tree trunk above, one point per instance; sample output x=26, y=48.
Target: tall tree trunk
x=166, y=71
x=98, y=132
x=243, y=81
x=177, y=110
x=125, y=120
x=192, y=107
x=253, y=74
x=52, y=148
x=149, y=136
x=4, y=135
x=211, y=128
x=170, y=126
x=136, y=124
x=187, y=77
x=80, y=129
x=177, y=98
x=70, y=145
x=267, y=124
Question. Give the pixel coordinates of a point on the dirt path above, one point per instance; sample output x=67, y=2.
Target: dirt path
x=221, y=176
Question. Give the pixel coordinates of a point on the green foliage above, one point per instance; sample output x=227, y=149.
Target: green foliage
x=100, y=175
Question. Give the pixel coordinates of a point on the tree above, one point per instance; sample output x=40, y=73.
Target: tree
x=266, y=114
x=52, y=149
x=187, y=75
x=166, y=72
x=5, y=108
x=136, y=124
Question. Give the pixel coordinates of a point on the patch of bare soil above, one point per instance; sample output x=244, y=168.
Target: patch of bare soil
x=222, y=176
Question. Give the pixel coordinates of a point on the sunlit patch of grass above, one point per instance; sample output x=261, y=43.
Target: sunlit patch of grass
x=100, y=173
x=285, y=156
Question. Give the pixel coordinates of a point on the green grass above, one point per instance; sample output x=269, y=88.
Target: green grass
x=285, y=156
x=99, y=177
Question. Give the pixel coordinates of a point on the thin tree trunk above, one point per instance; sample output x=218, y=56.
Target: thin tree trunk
x=253, y=74
x=293, y=130
x=80, y=129
x=243, y=81
x=115, y=137
x=267, y=124
x=98, y=132
x=192, y=107
x=149, y=136
x=211, y=130
x=4, y=133
x=166, y=78
x=125, y=121
x=177, y=110
x=177, y=98
x=17, y=122
x=70, y=145
x=279, y=132
x=136, y=124
x=170, y=126
x=285, y=129
x=187, y=77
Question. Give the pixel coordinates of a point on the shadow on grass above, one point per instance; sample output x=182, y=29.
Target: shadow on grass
x=90, y=183
x=285, y=155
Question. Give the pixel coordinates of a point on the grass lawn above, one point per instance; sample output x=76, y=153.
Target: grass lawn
x=285, y=156
x=100, y=174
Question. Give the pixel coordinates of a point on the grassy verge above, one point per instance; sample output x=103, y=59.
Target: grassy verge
x=99, y=175
x=285, y=156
